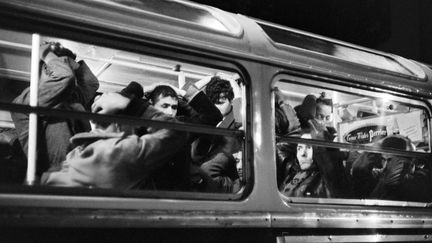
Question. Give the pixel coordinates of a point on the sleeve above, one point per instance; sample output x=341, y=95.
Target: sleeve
x=159, y=146
x=119, y=160
x=394, y=171
x=389, y=184
x=137, y=105
x=57, y=80
x=221, y=170
x=364, y=164
x=285, y=157
x=87, y=84
x=333, y=172
x=133, y=90
x=200, y=110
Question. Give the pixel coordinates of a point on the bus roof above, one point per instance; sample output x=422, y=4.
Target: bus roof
x=208, y=29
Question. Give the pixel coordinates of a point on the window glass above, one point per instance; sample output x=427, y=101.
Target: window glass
x=362, y=145
x=158, y=127
x=299, y=40
x=184, y=11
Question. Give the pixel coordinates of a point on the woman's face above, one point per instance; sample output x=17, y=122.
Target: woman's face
x=324, y=114
x=304, y=154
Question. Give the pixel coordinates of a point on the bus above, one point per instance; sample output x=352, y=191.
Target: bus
x=104, y=46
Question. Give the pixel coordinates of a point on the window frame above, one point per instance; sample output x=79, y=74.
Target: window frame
x=173, y=53
x=362, y=90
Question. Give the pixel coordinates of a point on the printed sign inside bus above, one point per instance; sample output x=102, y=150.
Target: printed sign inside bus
x=367, y=131
x=365, y=135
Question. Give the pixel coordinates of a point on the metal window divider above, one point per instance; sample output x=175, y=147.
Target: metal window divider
x=32, y=137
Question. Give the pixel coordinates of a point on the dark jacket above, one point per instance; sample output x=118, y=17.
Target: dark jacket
x=308, y=183
x=406, y=179
x=326, y=178
x=217, y=163
x=396, y=178
x=176, y=174
x=285, y=158
x=364, y=179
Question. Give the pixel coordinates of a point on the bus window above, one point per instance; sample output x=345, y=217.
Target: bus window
x=284, y=38
x=351, y=144
x=112, y=119
x=187, y=12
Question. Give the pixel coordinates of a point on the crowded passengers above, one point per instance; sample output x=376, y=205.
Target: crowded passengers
x=305, y=170
x=99, y=154
x=73, y=153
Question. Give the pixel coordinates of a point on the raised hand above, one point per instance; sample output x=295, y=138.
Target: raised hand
x=110, y=103
x=49, y=50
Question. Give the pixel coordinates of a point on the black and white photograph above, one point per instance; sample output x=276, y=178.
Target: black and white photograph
x=215, y=121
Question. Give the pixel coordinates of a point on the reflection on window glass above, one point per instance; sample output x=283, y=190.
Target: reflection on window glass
x=377, y=120
x=178, y=10
x=105, y=153
x=329, y=48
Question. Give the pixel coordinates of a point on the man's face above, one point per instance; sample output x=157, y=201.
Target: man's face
x=223, y=104
x=167, y=105
x=304, y=154
x=324, y=114
x=385, y=159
